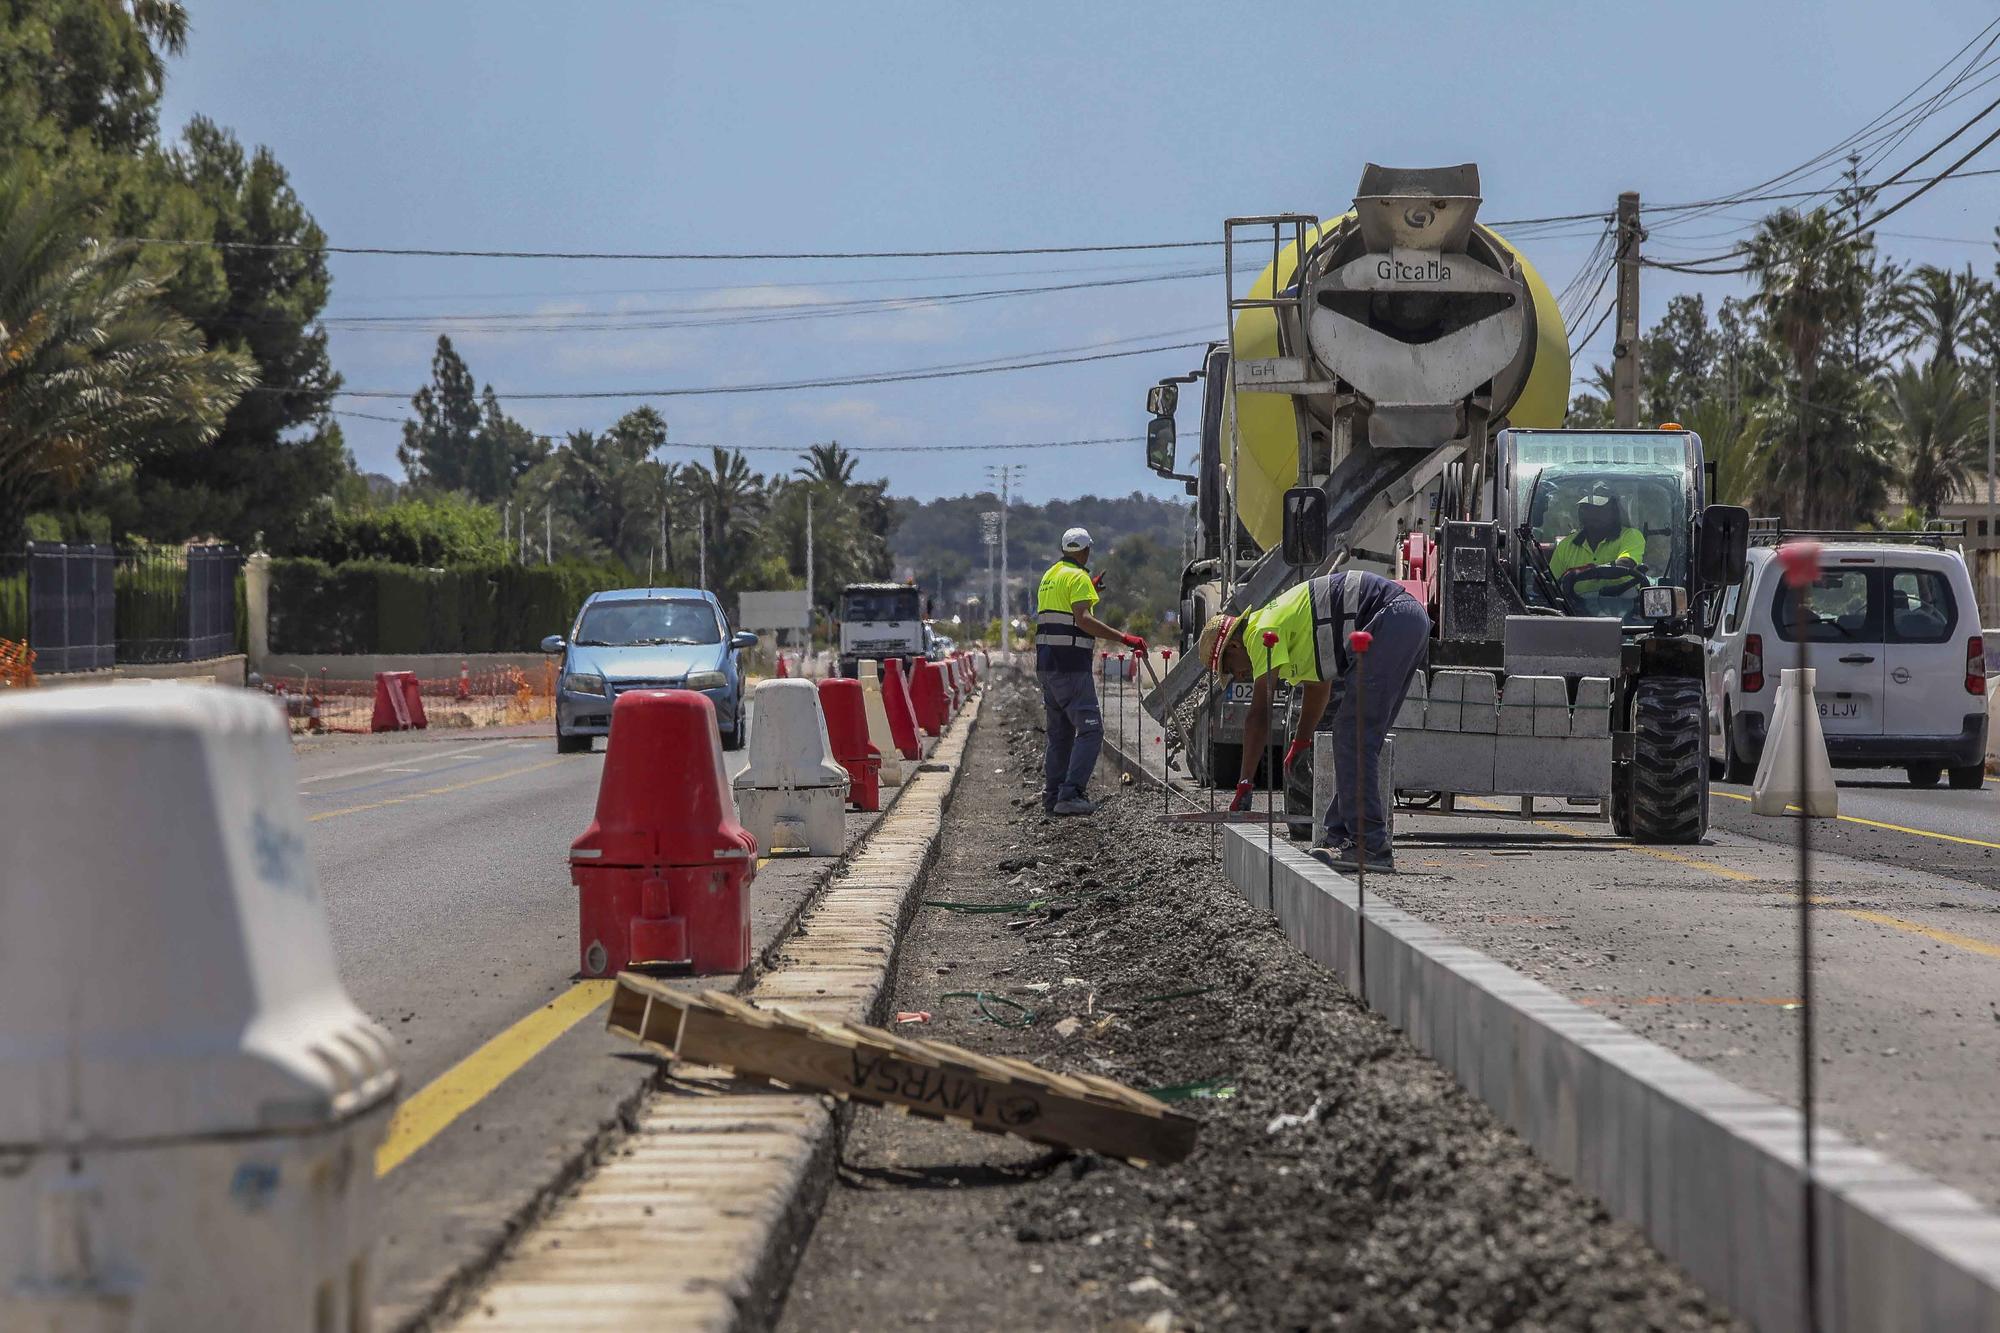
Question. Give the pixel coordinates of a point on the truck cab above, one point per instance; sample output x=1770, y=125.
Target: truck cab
x=880, y=621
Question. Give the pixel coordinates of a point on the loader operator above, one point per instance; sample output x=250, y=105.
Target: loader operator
x=1312, y=624
x=1601, y=538
x=1064, y=629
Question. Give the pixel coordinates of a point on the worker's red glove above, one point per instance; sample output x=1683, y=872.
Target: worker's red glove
x=1241, y=801
x=1293, y=751
x=1134, y=642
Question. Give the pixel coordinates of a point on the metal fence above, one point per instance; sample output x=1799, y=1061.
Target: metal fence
x=72, y=606
x=85, y=607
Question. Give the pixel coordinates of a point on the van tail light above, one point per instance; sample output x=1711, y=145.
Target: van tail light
x=1752, y=675
x=1975, y=666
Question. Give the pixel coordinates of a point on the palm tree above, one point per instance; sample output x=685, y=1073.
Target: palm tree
x=829, y=463
x=94, y=370
x=1938, y=419
x=731, y=496
x=1938, y=307
x=1804, y=264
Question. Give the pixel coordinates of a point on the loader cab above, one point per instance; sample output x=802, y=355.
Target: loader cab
x=1655, y=478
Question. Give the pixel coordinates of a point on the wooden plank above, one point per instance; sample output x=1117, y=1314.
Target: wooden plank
x=932, y=1079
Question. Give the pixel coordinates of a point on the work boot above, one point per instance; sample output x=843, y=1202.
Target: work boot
x=1346, y=857
x=1075, y=805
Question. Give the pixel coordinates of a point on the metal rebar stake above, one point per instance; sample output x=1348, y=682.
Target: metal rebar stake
x=1801, y=572
x=1359, y=643
x=1273, y=776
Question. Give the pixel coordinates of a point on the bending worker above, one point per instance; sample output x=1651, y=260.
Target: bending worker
x=1064, y=629
x=1311, y=624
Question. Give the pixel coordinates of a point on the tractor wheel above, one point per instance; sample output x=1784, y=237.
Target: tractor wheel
x=1666, y=794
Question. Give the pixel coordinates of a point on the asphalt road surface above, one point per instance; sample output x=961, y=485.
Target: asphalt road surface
x=443, y=860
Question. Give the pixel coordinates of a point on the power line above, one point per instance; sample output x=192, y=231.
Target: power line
x=949, y=371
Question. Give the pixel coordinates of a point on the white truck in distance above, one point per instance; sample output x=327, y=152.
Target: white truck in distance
x=879, y=621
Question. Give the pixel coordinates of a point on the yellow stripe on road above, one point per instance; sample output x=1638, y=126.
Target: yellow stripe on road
x=434, y=791
x=1893, y=828
x=1950, y=937
x=448, y=1096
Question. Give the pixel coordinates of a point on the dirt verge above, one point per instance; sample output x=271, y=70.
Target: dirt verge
x=1342, y=1179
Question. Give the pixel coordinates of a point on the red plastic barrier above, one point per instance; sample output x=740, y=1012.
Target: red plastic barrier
x=902, y=711
x=399, y=703
x=663, y=872
x=927, y=694
x=847, y=727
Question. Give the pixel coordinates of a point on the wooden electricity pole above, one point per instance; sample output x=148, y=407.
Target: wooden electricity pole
x=1625, y=345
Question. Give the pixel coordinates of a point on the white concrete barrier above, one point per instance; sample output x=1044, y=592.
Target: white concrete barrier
x=879, y=734
x=793, y=793
x=1776, y=786
x=189, y=1102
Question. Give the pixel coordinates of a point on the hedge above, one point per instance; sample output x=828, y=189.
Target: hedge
x=371, y=606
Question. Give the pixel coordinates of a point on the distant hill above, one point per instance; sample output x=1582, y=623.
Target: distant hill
x=1138, y=539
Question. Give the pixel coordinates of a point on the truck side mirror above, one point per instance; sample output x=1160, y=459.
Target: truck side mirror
x=1161, y=439
x=1163, y=398
x=1304, y=542
x=1722, y=546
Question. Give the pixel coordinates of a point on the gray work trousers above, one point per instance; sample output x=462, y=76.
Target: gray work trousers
x=1076, y=734
x=1402, y=632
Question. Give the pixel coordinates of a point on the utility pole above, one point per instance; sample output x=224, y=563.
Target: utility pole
x=701, y=545
x=1991, y=546
x=1625, y=348
x=989, y=532
x=809, y=573
x=548, y=534
x=507, y=526
x=1005, y=475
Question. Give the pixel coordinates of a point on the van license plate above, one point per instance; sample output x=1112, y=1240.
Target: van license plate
x=1838, y=708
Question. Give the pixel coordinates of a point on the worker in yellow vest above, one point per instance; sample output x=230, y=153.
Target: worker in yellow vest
x=1311, y=627
x=1064, y=629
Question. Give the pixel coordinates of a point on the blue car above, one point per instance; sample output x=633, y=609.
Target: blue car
x=647, y=639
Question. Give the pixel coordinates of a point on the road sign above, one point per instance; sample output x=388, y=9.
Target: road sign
x=787, y=609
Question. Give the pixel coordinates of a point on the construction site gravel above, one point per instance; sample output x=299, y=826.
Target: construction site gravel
x=1341, y=1179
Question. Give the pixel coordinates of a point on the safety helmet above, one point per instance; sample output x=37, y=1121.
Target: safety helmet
x=1076, y=539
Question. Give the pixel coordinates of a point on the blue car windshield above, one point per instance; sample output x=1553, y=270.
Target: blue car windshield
x=647, y=623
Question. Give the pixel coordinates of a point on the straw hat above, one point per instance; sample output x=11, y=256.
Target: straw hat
x=1215, y=637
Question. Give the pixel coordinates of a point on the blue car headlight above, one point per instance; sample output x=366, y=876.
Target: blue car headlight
x=706, y=680
x=579, y=682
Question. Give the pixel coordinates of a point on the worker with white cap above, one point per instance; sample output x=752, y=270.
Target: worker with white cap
x=1064, y=628
x=1305, y=637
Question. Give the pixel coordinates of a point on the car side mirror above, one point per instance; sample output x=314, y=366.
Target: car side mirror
x=1723, y=546
x=553, y=644
x=743, y=638
x=1304, y=541
x=1162, y=399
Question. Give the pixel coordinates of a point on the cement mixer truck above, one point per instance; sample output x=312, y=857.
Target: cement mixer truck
x=1391, y=397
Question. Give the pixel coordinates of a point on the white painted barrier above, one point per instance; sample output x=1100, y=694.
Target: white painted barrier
x=1776, y=786
x=793, y=793
x=879, y=734
x=190, y=1104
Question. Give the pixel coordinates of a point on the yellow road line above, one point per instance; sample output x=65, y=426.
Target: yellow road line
x=1893, y=828
x=448, y=1096
x=1951, y=937
x=1966, y=942
x=434, y=791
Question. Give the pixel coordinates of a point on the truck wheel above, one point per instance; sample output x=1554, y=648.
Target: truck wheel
x=1924, y=775
x=1969, y=778
x=1666, y=785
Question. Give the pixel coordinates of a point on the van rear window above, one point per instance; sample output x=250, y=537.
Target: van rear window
x=1921, y=608
x=1874, y=605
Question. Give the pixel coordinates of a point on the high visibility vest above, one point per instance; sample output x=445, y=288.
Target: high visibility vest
x=1311, y=622
x=1059, y=644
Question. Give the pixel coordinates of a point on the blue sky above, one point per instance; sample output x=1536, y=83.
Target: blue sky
x=782, y=127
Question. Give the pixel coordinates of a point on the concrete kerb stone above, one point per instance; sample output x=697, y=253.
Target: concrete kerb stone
x=599, y=1262
x=1712, y=1172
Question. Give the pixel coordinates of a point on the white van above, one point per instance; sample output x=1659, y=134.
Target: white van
x=1893, y=633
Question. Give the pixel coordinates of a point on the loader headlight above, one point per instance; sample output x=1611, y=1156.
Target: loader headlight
x=1662, y=603
x=577, y=682
x=707, y=680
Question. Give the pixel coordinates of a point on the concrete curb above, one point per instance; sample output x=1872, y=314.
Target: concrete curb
x=1710, y=1171
x=697, y=1218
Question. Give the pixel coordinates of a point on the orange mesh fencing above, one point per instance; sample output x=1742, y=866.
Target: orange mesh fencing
x=486, y=698
x=17, y=665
